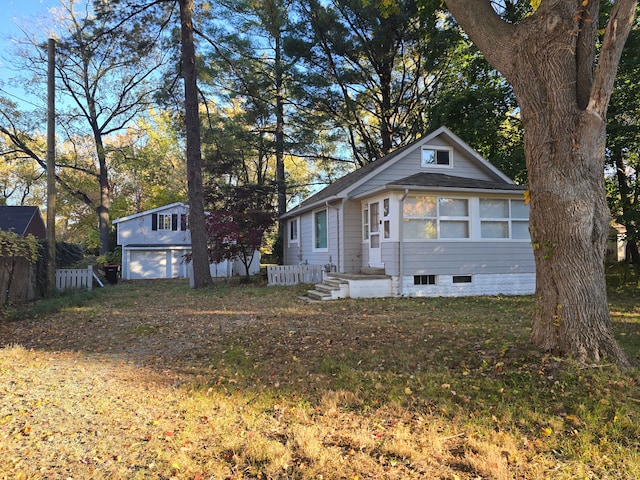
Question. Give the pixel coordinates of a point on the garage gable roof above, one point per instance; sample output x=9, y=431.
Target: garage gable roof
x=150, y=212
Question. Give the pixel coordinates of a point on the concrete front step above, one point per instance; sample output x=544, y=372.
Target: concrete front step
x=329, y=289
x=368, y=283
x=372, y=271
x=319, y=295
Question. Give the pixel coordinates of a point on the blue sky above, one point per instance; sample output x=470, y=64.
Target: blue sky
x=32, y=15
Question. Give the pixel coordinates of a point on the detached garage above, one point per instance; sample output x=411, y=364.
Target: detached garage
x=155, y=243
x=146, y=261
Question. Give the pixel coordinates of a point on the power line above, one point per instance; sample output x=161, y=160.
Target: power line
x=19, y=98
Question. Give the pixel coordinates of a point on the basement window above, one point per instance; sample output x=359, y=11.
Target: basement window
x=424, y=279
x=462, y=279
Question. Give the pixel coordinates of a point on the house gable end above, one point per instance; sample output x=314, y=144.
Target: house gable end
x=150, y=212
x=373, y=175
x=166, y=225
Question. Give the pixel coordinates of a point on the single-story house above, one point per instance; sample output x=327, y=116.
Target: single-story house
x=433, y=218
x=155, y=244
x=23, y=220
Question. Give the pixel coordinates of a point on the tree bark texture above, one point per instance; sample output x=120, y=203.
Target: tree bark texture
x=197, y=225
x=549, y=59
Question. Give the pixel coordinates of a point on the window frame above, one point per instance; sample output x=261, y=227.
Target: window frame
x=315, y=214
x=438, y=219
x=294, y=231
x=436, y=151
x=457, y=279
x=509, y=220
x=365, y=222
x=420, y=280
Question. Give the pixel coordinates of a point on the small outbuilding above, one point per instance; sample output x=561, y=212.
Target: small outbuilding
x=155, y=244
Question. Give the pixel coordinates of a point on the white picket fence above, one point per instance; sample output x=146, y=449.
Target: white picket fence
x=294, y=274
x=75, y=278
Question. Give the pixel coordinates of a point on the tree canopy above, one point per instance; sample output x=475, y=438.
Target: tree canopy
x=292, y=94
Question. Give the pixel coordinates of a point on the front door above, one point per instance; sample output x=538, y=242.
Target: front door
x=375, y=258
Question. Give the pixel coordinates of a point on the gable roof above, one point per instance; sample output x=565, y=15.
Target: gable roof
x=22, y=220
x=342, y=187
x=149, y=212
x=441, y=180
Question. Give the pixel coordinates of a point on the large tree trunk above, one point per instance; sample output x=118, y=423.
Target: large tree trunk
x=279, y=138
x=569, y=226
x=104, y=222
x=549, y=59
x=197, y=225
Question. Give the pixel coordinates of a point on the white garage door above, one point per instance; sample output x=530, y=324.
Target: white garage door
x=148, y=264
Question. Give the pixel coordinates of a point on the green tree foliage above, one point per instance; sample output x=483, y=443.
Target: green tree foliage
x=477, y=103
x=14, y=245
x=373, y=68
x=148, y=166
x=623, y=145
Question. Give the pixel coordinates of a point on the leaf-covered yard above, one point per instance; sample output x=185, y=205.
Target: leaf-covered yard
x=155, y=380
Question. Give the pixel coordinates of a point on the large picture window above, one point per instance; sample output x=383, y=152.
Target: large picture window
x=429, y=218
x=320, y=230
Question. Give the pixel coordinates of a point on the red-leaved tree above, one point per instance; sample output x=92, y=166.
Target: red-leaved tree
x=236, y=235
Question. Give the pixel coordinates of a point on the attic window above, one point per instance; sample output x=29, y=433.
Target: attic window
x=436, y=157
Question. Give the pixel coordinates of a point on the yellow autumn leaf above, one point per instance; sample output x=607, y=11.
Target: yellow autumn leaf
x=408, y=391
x=546, y=432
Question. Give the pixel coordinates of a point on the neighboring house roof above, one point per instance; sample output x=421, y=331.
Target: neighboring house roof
x=22, y=220
x=344, y=185
x=149, y=212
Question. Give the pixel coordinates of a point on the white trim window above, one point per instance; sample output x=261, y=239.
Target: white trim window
x=320, y=230
x=504, y=219
x=365, y=222
x=164, y=221
x=440, y=157
x=428, y=217
x=293, y=231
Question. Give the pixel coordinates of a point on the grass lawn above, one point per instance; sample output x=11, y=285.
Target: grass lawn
x=153, y=380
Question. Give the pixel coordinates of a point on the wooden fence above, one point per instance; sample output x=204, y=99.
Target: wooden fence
x=74, y=278
x=294, y=274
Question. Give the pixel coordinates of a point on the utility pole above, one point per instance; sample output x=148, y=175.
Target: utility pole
x=51, y=168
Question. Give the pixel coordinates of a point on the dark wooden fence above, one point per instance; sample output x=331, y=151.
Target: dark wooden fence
x=17, y=281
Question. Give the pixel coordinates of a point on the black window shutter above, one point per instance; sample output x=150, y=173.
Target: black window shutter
x=183, y=222
x=174, y=221
x=154, y=221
